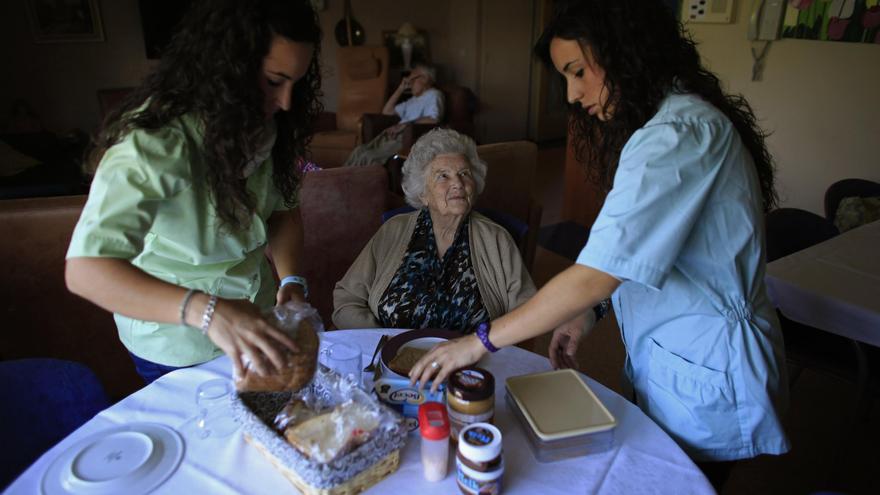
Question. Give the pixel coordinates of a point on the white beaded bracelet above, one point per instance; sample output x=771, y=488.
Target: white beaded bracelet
x=208, y=315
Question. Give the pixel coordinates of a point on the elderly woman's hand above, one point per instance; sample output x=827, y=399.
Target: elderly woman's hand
x=445, y=358
x=567, y=337
x=239, y=329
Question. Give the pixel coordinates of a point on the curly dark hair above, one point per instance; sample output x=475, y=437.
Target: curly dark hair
x=646, y=55
x=211, y=70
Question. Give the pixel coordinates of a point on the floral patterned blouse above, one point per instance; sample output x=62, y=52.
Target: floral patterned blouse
x=429, y=292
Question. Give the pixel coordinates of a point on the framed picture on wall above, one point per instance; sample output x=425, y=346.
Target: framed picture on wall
x=59, y=21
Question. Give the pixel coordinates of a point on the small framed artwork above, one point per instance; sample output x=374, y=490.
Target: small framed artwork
x=61, y=21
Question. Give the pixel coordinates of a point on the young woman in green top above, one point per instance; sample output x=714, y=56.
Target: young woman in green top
x=194, y=176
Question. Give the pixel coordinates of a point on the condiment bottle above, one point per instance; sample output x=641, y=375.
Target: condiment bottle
x=470, y=397
x=479, y=465
x=434, y=427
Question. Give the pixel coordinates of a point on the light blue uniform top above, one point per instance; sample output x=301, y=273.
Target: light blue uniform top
x=682, y=228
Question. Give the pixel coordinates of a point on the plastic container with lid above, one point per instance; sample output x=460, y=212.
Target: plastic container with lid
x=556, y=429
x=479, y=463
x=470, y=397
x=434, y=427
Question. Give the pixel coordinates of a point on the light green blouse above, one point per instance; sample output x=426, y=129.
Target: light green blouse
x=150, y=204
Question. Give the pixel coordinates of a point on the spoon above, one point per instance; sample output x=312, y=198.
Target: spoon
x=372, y=365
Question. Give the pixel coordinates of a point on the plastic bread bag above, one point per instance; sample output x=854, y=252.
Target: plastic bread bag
x=301, y=322
x=332, y=417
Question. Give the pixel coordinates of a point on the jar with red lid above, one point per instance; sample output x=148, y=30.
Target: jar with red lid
x=434, y=428
x=470, y=398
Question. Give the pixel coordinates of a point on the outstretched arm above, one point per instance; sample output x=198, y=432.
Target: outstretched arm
x=563, y=298
x=237, y=327
x=388, y=109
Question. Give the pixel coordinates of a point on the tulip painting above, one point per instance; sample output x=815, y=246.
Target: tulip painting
x=833, y=20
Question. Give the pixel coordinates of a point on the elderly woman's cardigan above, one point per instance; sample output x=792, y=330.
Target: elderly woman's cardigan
x=502, y=279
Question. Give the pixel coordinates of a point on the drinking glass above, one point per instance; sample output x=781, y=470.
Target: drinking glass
x=344, y=359
x=214, y=403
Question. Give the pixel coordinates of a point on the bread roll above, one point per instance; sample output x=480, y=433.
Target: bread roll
x=293, y=377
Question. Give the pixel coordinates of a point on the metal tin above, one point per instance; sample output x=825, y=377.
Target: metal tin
x=581, y=425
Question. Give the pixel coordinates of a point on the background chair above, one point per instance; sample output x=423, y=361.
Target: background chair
x=341, y=209
x=848, y=188
x=510, y=188
x=790, y=230
x=44, y=400
x=363, y=80
x=41, y=318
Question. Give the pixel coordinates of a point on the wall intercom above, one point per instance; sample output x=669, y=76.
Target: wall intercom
x=717, y=11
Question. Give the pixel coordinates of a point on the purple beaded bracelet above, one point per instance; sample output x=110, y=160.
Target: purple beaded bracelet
x=483, y=334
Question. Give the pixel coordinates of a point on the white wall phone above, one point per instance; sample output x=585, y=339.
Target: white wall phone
x=765, y=21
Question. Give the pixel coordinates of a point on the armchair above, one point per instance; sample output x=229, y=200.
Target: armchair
x=363, y=79
x=341, y=211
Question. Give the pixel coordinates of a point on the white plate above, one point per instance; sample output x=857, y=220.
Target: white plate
x=132, y=459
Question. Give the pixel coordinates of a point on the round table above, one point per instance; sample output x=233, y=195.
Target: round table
x=643, y=459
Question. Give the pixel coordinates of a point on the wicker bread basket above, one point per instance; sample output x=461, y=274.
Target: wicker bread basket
x=351, y=473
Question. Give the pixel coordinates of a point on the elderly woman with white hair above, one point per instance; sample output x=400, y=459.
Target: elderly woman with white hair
x=443, y=265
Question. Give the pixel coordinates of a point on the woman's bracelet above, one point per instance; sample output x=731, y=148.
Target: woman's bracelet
x=483, y=334
x=208, y=315
x=296, y=279
x=183, y=305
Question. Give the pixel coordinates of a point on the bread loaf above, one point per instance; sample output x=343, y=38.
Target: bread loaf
x=295, y=376
x=405, y=359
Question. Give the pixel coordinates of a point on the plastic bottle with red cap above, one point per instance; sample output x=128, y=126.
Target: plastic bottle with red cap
x=434, y=428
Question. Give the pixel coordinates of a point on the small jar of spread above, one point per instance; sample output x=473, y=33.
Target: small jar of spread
x=470, y=398
x=478, y=462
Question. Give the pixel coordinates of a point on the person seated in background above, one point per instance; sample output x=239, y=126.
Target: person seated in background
x=444, y=265
x=425, y=107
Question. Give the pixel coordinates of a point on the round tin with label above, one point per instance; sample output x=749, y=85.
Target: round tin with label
x=479, y=464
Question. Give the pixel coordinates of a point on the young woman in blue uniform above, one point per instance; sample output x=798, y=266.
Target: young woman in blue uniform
x=679, y=242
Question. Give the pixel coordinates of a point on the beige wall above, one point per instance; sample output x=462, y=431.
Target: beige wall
x=820, y=99
x=505, y=70
x=60, y=80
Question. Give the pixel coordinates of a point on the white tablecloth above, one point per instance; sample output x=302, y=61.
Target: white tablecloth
x=643, y=460
x=834, y=285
